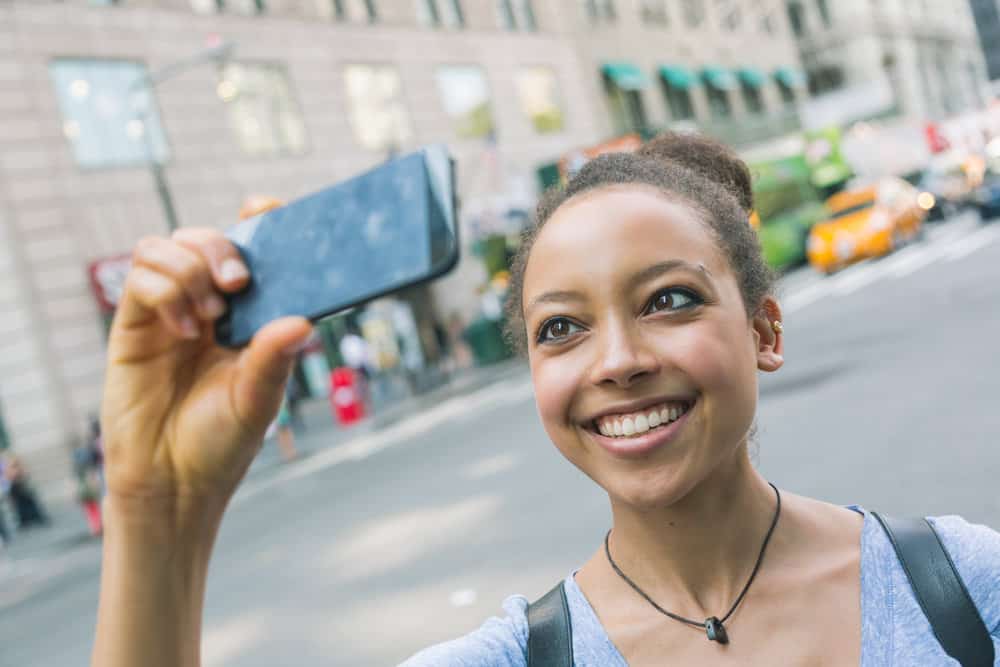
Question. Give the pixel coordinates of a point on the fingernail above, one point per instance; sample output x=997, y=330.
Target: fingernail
x=189, y=327
x=233, y=270
x=213, y=306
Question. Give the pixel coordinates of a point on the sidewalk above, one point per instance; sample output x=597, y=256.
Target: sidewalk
x=38, y=559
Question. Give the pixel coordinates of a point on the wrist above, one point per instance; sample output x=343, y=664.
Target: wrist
x=174, y=522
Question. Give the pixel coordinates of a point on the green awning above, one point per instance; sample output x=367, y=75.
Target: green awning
x=719, y=78
x=750, y=76
x=677, y=77
x=790, y=77
x=625, y=75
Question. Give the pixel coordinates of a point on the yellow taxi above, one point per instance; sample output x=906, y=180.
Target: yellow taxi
x=866, y=222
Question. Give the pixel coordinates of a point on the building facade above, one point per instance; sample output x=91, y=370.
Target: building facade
x=729, y=68
x=105, y=105
x=915, y=58
x=312, y=93
x=986, y=14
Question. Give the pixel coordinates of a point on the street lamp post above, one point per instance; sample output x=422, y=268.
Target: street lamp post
x=216, y=54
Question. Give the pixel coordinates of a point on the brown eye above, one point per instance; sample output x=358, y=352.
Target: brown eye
x=674, y=298
x=556, y=329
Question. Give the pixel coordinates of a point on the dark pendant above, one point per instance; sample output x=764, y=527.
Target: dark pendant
x=715, y=630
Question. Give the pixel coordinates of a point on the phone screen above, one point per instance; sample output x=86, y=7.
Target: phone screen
x=388, y=228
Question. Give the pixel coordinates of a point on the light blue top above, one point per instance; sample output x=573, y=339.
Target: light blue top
x=894, y=630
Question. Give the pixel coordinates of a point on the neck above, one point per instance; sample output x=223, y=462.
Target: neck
x=694, y=556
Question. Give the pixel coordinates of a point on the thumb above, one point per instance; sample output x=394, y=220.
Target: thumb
x=263, y=369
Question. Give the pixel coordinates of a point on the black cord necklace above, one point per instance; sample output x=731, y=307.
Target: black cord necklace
x=714, y=627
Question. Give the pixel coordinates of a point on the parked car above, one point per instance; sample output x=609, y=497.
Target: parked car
x=866, y=222
x=783, y=238
x=987, y=196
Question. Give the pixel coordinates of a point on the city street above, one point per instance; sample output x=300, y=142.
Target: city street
x=365, y=552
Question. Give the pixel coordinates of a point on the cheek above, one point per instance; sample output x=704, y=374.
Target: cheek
x=555, y=382
x=716, y=355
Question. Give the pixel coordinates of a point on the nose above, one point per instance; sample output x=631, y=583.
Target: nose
x=623, y=358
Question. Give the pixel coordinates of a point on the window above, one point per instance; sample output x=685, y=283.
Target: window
x=787, y=94
x=825, y=78
x=654, y=12
x=730, y=16
x=693, y=11
x=627, y=109
x=465, y=96
x=208, y=6
x=378, y=113
x=796, y=16
x=104, y=3
x=332, y=9
x=514, y=14
x=109, y=115
x=679, y=101
x=752, y=98
x=824, y=12
x=355, y=11
x=440, y=12
x=718, y=102
x=539, y=94
x=600, y=10
x=262, y=110
x=248, y=6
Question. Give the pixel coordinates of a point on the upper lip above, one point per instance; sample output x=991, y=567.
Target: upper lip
x=637, y=405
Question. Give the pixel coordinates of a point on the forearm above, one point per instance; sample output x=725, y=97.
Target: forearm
x=155, y=564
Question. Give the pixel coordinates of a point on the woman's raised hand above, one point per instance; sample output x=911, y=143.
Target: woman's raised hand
x=183, y=417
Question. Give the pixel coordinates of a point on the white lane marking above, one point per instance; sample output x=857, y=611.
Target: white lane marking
x=493, y=396
x=972, y=243
x=463, y=598
x=488, y=467
x=855, y=278
x=952, y=242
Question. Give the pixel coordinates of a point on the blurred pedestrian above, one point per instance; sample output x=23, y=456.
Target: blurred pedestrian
x=295, y=393
x=4, y=531
x=88, y=460
x=357, y=355
x=27, y=507
x=285, y=432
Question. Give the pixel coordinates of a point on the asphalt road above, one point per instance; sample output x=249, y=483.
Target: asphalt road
x=367, y=552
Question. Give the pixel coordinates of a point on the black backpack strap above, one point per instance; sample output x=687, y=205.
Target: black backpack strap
x=550, y=635
x=940, y=591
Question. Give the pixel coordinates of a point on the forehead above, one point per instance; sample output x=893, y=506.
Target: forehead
x=605, y=234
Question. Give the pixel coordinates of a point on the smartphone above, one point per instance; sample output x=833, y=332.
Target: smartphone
x=389, y=228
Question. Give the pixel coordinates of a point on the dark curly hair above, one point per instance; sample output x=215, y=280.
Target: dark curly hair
x=695, y=170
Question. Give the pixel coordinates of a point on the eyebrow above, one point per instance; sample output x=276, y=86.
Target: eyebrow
x=644, y=276
x=667, y=266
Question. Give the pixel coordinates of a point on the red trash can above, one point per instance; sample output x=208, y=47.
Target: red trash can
x=345, y=396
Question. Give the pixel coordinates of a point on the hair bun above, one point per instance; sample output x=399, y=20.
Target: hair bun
x=706, y=157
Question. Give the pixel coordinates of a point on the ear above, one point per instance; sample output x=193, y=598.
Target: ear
x=770, y=343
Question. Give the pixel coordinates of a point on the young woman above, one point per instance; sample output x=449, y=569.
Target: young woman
x=646, y=312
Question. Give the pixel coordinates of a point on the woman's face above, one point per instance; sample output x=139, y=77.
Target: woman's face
x=643, y=358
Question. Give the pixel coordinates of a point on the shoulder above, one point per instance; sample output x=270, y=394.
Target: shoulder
x=975, y=551
x=499, y=642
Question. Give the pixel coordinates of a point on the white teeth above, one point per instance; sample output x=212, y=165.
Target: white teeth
x=641, y=424
x=637, y=424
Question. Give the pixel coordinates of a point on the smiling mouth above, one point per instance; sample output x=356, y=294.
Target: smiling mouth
x=639, y=423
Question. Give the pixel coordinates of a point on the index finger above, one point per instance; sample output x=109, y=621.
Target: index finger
x=229, y=272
